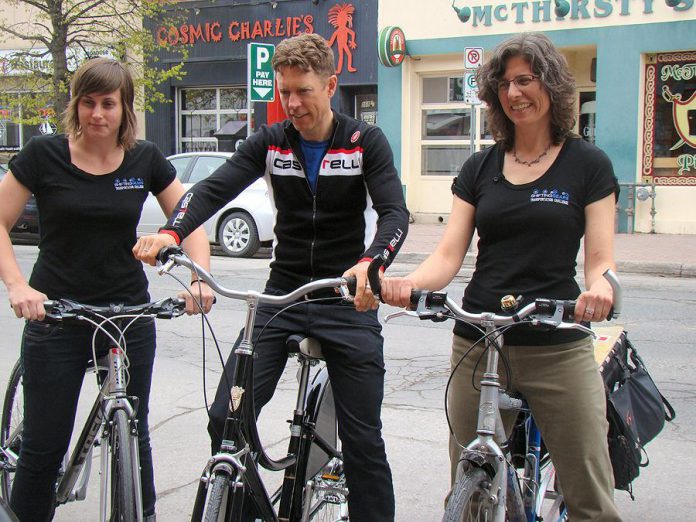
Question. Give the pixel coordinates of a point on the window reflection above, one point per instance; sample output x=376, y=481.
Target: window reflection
x=442, y=160
x=446, y=123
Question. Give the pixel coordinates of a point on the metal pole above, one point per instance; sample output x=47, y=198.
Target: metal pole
x=248, y=90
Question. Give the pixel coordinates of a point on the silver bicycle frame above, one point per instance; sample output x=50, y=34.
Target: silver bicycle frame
x=112, y=396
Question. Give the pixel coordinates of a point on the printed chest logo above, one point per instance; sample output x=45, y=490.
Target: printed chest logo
x=549, y=196
x=129, y=184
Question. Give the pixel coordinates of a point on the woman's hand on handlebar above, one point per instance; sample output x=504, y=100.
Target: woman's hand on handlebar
x=364, y=299
x=26, y=302
x=147, y=247
x=203, y=294
x=594, y=304
x=396, y=291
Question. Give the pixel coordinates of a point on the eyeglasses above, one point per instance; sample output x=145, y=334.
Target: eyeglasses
x=523, y=80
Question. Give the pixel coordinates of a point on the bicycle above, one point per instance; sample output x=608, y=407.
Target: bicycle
x=111, y=423
x=314, y=485
x=489, y=486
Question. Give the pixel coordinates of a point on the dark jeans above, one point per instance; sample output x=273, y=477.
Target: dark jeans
x=352, y=346
x=54, y=360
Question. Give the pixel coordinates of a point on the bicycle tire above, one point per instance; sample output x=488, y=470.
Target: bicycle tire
x=123, y=495
x=218, y=486
x=467, y=502
x=11, y=428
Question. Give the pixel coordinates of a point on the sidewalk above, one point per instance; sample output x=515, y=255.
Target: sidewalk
x=657, y=254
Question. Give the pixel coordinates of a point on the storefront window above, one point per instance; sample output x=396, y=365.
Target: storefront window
x=446, y=124
x=669, y=132
x=212, y=119
x=13, y=135
x=446, y=118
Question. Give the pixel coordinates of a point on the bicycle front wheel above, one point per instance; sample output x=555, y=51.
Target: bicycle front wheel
x=468, y=501
x=218, y=489
x=11, y=430
x=123, y=494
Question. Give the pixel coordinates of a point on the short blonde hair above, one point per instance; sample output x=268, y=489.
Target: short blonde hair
x=101, y=76
x=308, y=52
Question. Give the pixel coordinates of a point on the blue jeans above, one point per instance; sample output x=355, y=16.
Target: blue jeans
x=352, y=344
x=54, y=360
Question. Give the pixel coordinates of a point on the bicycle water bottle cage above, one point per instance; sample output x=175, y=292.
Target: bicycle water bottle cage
x=431, y=306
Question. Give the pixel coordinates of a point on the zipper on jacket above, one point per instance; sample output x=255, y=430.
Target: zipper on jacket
x=314, y=228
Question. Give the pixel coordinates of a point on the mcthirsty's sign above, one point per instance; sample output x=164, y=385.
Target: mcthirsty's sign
x=542, y=11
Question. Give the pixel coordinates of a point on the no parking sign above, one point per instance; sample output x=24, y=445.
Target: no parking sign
x=473, y=57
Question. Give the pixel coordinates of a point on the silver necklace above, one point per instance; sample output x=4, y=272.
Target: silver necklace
x=531, y=162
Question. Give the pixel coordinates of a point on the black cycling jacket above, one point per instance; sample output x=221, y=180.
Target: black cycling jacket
x=358, y=209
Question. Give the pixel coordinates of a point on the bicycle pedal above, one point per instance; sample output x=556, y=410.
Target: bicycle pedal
x=330, y=476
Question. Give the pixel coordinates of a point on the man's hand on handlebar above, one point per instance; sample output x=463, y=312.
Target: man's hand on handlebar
x=396, y=291
x=147, y=247
x=364, y=299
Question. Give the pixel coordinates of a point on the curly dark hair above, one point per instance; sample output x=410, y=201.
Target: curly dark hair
x=547, y=63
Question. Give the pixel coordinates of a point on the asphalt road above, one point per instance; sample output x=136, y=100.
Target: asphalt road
x=658, y=315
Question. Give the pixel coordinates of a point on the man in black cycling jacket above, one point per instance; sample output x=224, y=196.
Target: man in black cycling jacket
x=338, y=202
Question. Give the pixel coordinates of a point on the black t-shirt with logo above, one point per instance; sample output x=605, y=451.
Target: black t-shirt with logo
x=529, y=235
x=87, y=222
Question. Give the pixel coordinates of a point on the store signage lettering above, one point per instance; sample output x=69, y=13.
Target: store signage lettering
x=235, y=31
x=669, y=133
x=542, y=11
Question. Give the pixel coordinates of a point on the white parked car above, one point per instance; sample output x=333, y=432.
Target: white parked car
x=240, y=227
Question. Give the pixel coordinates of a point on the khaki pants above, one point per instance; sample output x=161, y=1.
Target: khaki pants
x=562, y=385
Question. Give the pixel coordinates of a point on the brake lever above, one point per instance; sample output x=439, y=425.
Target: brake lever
x=400, y=313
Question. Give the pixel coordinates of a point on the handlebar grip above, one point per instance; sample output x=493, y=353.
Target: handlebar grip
x=352, y=284
x=164, y=254
x=52, y=306
x=548, y=307
x=373, y=274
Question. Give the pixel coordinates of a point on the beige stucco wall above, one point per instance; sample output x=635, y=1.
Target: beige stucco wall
x=430, y=196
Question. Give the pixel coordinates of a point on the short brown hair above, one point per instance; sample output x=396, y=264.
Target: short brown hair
x=101, y=76
x=552, y=69
x=308, y=52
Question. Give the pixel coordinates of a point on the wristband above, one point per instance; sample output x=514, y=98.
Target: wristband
x=369, y=260
x=170, y=233
x=198, y=281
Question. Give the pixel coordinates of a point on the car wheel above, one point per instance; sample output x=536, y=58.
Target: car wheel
x=238, y=235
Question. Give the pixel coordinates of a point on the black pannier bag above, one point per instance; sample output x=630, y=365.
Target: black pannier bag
x=636, y=411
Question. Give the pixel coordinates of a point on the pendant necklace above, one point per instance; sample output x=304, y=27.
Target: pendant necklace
x=531, y=162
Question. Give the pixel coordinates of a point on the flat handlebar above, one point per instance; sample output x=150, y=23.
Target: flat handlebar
x=555, y=313
x=65, y=309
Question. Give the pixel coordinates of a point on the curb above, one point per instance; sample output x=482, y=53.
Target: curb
x=623, y=267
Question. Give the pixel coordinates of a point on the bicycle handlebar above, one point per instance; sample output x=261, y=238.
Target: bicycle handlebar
x=171, y=256
x=555, y=313
x=64, y=309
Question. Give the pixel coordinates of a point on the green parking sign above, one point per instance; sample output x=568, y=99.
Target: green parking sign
x=261, y=75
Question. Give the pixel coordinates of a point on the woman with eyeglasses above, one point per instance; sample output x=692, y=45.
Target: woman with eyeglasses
x=531, y=198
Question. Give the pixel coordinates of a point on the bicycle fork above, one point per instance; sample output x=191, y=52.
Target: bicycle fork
x=484, y=452
x=117, y=399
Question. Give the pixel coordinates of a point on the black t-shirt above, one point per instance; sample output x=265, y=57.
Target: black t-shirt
x=529, y=235
x=87, y=222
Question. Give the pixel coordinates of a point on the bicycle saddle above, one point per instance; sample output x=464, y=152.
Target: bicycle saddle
x=307, y=346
